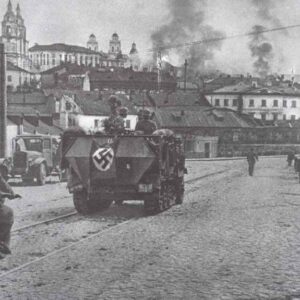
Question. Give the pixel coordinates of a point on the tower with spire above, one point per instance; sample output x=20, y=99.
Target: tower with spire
x=92, y=43
x=134, y=59
x=14, y=37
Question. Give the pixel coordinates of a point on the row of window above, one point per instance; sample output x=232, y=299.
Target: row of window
x=275, y=116
x=251, y=103
x=44, y=59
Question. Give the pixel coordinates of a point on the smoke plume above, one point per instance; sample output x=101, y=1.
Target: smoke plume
x=261, y=50
x=187, y=24
x=260, y=46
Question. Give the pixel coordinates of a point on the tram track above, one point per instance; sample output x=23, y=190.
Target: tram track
x=89, y=235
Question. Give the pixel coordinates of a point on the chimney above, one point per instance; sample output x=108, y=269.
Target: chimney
x=3, y=102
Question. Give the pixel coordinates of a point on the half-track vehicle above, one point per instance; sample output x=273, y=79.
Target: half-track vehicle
x=35, y=157
x=107, y=168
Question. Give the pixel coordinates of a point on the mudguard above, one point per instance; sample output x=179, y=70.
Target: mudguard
x=38, y=161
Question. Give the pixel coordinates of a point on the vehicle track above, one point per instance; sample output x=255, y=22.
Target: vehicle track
x=72, y=244
x=46, y=222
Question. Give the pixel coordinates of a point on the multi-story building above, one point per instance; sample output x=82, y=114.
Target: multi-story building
x=14, y=37
x=45, y=57
x=269, y=103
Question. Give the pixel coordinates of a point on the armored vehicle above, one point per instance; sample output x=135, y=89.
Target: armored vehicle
x=35, y=156
x=106, y=168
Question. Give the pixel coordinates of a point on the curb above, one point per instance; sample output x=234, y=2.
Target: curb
x=231, y=158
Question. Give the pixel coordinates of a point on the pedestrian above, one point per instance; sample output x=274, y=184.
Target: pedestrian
x=252, y=157
x=290, y=157
x=6, y=217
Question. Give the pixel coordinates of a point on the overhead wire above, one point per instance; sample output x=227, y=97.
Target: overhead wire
x=217, y=39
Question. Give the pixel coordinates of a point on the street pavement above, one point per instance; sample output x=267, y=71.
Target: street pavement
x=235, y=237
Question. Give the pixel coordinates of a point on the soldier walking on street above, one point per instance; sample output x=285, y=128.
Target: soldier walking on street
x=6, y=217
x=252, y=157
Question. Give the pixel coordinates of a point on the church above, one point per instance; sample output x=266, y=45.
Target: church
x=14, y=37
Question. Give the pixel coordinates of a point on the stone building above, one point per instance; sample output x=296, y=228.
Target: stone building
x=14, y=37
x=268, y=103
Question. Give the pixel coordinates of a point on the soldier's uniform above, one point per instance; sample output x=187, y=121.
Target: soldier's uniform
x=6, y=217
x=146, y=125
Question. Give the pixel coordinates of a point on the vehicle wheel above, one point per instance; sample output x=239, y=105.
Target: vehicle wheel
x=4, y=173
x=98, y=205
x=41, y=175
x=80, y=200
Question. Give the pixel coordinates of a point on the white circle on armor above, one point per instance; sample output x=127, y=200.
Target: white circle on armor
x=103, y=158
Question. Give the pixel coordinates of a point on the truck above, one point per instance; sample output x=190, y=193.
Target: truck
x=106, y=168
x=33, y=157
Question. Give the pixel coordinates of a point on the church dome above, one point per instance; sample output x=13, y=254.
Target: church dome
x=92, y=36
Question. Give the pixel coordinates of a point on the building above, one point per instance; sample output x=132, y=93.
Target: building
x=268, y=103
x=72, y=76
x=45, y=57
x=14, y=37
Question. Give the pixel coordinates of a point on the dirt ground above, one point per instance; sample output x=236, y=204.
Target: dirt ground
x=235, y=237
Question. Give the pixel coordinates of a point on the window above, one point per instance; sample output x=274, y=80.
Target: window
x=9, y=78
x=234, y=102
x=284, y=117
x=293, y=117
x=284, y=103
x=263, y=117
x=66, y=57
x=96, y=123
x=294, y=103
x=60, y=58
x=275, y=103
x=226, y=102
x=86, y=60
x=275, y=116
x=235, y=137
x=68, y=106
x=263, y=103
x=217, y=102
x=47, y=144
x=251, y=103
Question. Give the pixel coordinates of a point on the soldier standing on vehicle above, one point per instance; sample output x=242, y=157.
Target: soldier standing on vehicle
x=252, y=157
x=115, y=122
x=146, y=125
x=6, y=217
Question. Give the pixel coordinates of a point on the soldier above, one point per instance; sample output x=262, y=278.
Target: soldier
x=6, y=217
x=251, y=158
x=115, y=122
x=146, y=125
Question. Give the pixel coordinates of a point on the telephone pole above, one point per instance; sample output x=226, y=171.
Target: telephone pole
x=185, y=70
x=3, y=102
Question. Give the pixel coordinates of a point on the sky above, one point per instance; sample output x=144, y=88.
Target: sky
x=72, y=21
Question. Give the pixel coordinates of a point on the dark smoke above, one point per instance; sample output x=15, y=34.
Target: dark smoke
x=187, y=24
x=261, y=50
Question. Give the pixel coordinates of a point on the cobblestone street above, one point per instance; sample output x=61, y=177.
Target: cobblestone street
x=234, y=237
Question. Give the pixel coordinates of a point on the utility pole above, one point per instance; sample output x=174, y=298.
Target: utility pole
x=185, y=69
x=3, y=102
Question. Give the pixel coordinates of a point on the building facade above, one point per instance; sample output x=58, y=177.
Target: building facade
x=265, y=103
x=14, y=37
x=45, y=57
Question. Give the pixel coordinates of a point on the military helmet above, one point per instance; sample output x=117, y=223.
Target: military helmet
x=123, y=111
x=146, y=113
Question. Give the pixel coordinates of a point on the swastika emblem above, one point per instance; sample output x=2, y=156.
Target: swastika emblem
x=103, y=158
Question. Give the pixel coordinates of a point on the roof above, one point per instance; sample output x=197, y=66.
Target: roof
x=206, y=117
x=12, y=67
x=60, y=47
x=248, y=89
x=94, y=102
x=29, y=103
x=178, y=98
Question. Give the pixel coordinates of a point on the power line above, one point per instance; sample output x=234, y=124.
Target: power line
x=217, y=39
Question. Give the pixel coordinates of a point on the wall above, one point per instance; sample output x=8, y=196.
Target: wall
x=88, y=122
x=16, y=78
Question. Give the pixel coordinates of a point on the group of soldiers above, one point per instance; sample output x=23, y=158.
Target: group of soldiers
x=116, y=122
